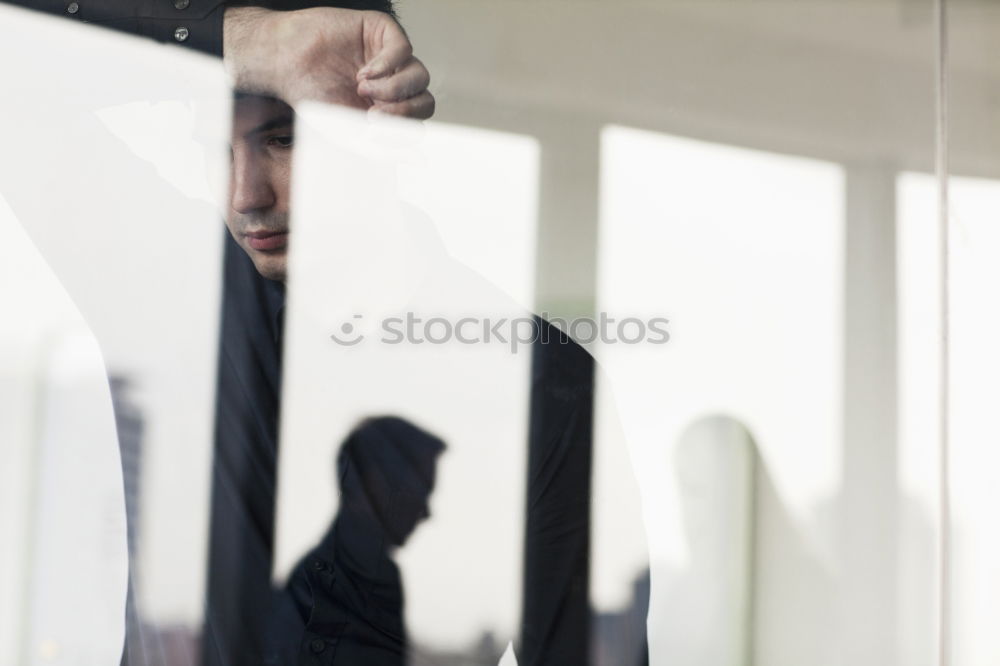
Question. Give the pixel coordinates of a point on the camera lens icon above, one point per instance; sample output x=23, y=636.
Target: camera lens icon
x=349, y=335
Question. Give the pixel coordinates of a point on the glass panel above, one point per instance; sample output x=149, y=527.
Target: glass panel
x=111, y=289
x=747, y=342
x=974, y=188
x=400, y=315
x=340, y=433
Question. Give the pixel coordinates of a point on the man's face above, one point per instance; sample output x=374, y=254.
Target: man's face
x=260, y=175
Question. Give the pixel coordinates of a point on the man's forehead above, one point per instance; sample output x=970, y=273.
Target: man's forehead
x=257, y=113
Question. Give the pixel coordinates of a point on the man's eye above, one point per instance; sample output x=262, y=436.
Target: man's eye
x=280, y=141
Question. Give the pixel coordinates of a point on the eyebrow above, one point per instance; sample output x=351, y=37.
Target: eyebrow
x=274, y=123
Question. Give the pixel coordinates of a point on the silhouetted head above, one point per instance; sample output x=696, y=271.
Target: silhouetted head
x=386, y=469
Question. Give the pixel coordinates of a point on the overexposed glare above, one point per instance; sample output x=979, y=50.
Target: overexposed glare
x=918, y=289
x=743, y=252
x=975, y=389
x=975, y=430
x=919, y=293
x=103, y=175
x=61, y=477
x=508, y=658
x=176, y=138
x=78, y=509
x=454, y=178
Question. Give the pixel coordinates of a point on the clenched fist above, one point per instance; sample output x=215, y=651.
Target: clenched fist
x=361, y=59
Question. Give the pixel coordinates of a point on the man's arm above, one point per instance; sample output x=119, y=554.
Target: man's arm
x=318, y=52
x=328, y=54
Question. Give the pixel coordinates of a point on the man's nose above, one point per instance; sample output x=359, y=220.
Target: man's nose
x=251, y=187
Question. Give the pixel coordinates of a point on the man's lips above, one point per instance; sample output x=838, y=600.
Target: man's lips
x=267, y=240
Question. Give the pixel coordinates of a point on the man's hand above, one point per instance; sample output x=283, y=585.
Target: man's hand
x=356, y=58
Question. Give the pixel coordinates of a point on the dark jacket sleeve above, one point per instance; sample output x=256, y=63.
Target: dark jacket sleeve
x=193, y=23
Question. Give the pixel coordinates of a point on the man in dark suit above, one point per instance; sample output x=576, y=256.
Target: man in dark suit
x=381, y=75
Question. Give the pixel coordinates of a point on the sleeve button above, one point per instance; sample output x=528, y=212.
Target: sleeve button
x=181, y=34
x=182, y=4
x=73, y=7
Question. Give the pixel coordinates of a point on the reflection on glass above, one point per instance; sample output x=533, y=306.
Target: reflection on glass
x=747, y=171
x=346, y=592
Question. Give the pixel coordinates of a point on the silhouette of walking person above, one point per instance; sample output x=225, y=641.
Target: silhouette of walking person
x=344, y=600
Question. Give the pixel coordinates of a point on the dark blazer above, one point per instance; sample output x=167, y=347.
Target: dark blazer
x=194, y=24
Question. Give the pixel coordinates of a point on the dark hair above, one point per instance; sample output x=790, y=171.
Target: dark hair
x=399, y=450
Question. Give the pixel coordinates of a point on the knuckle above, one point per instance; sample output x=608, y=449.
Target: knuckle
x=423, y=77
x=429, y=106
x=398, y=89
